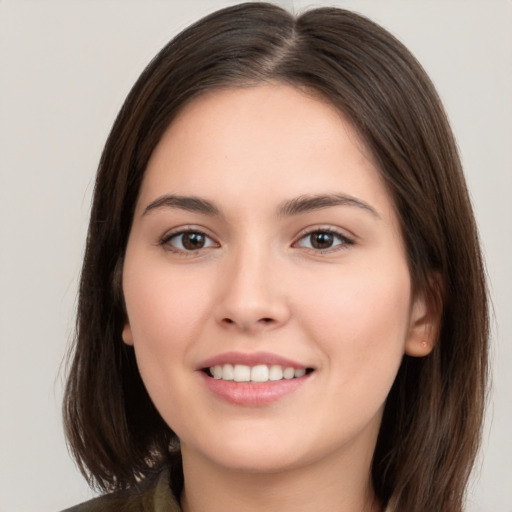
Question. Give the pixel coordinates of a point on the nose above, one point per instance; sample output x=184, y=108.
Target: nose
x=252, y=297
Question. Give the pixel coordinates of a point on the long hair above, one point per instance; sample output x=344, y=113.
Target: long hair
x=432, y=420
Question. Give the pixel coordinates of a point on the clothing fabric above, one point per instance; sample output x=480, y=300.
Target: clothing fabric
x=156, y=497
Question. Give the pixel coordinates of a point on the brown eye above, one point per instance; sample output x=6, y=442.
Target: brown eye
x=189, y=241
x=323, y=240
x=193, y=241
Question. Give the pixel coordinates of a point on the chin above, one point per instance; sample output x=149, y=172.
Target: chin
x=258, y=461
x=250, y=452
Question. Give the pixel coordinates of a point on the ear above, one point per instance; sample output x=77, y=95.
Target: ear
x=425, y=321
x=127, y=334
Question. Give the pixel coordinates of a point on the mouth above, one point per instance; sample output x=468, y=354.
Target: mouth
x=253, y=379
x=256, y=374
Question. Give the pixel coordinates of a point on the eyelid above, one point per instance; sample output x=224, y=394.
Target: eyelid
x=346, y=239
x=181, y=230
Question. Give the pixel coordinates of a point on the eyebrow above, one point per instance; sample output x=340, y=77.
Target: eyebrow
x=296, y=206
x=308, y=203
x=188, y=203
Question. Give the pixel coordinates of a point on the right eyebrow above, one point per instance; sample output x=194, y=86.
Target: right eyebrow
x=188, y=203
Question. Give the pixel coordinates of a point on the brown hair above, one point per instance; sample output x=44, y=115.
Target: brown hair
x=431, y=425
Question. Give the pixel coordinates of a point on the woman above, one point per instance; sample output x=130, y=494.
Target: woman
x=282, y=304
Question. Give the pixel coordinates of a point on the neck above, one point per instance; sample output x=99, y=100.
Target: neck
x=320, y=486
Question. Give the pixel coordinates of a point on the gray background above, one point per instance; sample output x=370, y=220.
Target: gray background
x=66, y=67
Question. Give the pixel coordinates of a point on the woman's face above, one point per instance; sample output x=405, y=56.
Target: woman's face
x=264, y=246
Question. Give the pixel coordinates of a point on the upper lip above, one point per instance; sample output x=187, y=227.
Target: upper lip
x=250, y=359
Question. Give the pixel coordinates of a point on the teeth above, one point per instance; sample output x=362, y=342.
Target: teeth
x=228, y=372
x=241, y=373
x=299, y=372
x=258, y=373
x=288, y=373
x=276, y=372
x=217, y=372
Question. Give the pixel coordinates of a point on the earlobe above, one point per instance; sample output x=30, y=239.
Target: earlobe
x=424, y=327
x=418, y=347
x=127, y=334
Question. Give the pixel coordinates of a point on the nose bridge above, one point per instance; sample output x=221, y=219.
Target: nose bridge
x=251, y=297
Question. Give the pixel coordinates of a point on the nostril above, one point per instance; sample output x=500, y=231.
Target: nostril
x=245, y=325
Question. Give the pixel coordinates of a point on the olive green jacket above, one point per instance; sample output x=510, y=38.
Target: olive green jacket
x=155, y=497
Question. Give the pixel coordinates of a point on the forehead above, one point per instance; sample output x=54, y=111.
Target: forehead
x=267, y=137
x=260, y=110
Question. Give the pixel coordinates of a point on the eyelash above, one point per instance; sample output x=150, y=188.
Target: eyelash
x=344, y=241
x=184, y=252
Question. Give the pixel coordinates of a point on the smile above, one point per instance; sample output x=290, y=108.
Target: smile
x=253, y=379
x=255, y=374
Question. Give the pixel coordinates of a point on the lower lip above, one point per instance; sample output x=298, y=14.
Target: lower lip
x=252, y=394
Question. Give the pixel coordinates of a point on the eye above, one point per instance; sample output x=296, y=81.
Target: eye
x=323, y=239
x=188, y=241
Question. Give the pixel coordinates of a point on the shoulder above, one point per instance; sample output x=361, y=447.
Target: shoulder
x=155, y=496
x=108, y=503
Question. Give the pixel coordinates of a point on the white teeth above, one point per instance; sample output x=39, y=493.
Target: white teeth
x=228, y=372
x=242, y=373
x=276, y=372
x=288, y=373
x=299, y=372
x=258, y=373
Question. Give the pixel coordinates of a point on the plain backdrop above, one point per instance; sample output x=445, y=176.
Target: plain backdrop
x=66, y=67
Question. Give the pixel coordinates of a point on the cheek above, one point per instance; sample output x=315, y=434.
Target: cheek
x=164, y=311
x=162, y=306
x=362, y=319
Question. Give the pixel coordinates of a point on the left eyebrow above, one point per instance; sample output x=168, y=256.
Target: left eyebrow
x=308, y=203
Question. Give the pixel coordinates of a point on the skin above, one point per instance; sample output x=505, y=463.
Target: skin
x=259, y=284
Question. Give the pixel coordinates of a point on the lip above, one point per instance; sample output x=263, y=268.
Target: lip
x=252, y=394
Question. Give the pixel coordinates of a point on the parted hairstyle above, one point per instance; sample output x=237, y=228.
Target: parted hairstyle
x=431, y=425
